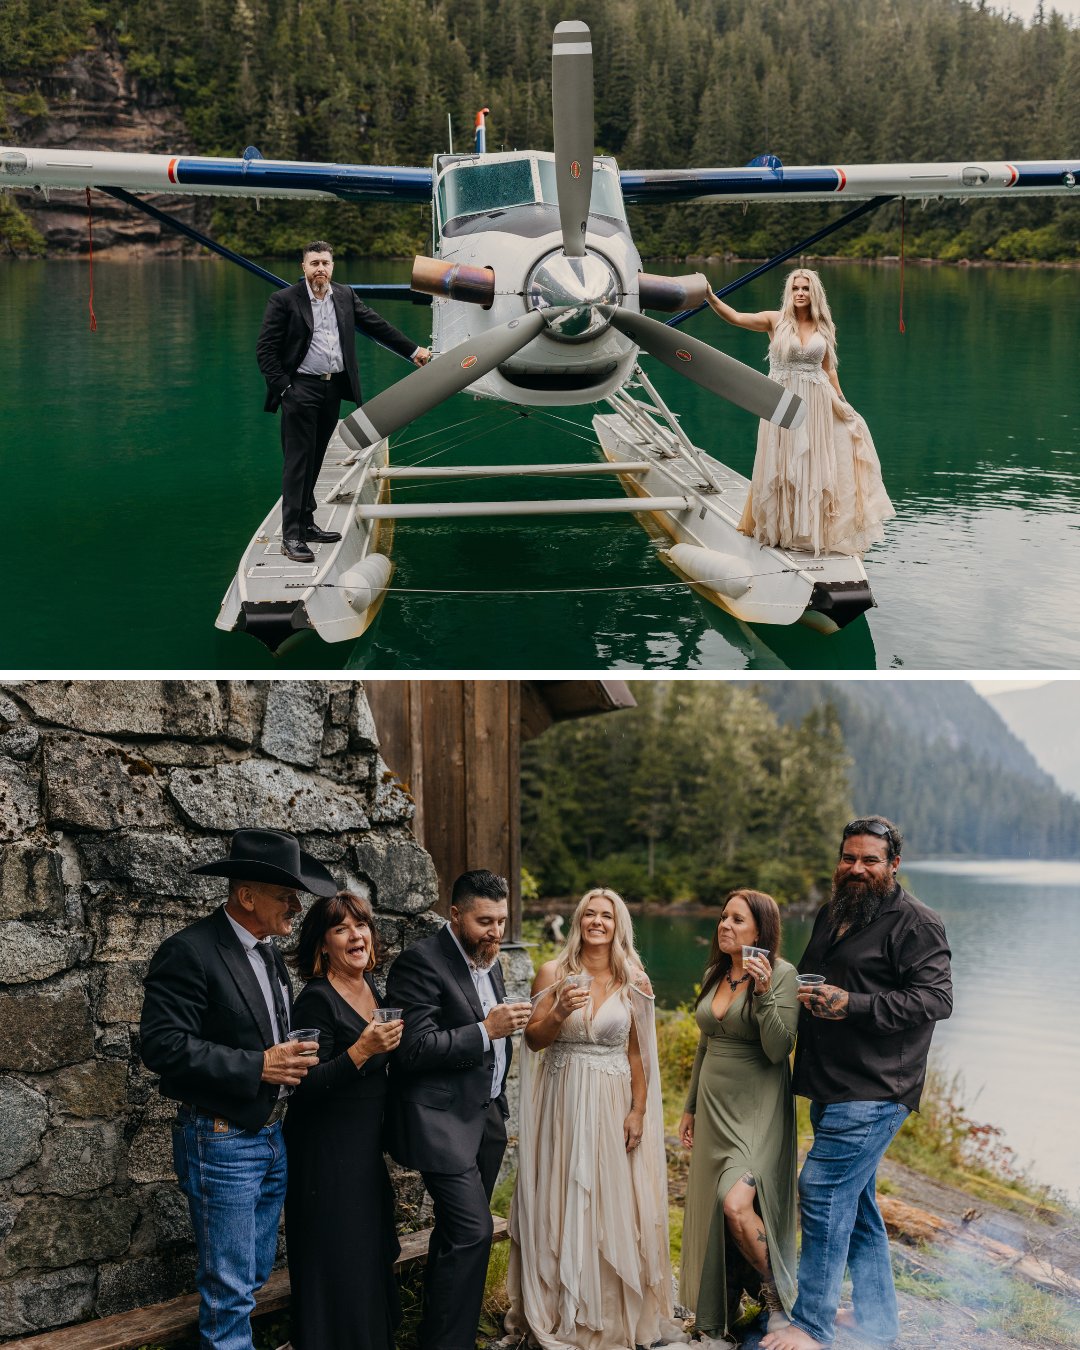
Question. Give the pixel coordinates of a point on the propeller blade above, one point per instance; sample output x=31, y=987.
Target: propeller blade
x=572, y=114
x=745, y=387
x=441, y=378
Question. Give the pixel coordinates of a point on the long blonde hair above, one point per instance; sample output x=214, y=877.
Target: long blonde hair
x=625, y=962
x=786, y=335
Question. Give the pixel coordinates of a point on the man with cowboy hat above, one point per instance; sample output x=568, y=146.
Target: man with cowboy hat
x=214, y=1026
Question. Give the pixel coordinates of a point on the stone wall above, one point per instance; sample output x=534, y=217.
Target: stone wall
x=110, y=792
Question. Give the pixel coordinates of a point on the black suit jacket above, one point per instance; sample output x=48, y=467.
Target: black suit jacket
x=286, y=332
x=205, y=1025
x=440, y=1075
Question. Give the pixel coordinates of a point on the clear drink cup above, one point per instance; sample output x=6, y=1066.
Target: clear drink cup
x=387, y=1014
x=305, y=1034
x=748, y=951
x=810, y=981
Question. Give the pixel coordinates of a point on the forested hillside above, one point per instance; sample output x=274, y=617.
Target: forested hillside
x=939, y=759
x=709, y=784
x=678, y=82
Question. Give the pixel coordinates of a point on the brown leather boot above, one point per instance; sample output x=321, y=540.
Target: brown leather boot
x=770, y=1301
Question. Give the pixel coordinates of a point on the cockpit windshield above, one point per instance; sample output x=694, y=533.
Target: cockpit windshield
x=479, y=185
x=606, y=194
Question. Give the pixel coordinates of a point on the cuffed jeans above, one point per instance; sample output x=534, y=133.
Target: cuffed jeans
x=234, y=1181
x=841, y=1222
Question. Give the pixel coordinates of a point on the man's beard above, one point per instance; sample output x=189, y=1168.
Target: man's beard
x=854, y=904
x=482, y=954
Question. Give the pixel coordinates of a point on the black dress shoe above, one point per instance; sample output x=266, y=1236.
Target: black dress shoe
x=297, y=550
x=314, y=535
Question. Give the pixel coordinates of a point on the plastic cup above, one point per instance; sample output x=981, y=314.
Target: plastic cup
x=747, y=952
x=582, y=980
x=305, y=1034
x=810, y=981
x=387, y=1014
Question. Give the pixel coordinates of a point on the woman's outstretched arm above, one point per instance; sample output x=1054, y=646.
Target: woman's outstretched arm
x=762, y=322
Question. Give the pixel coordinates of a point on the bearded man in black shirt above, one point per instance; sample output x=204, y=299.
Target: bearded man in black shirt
x=864, y=1036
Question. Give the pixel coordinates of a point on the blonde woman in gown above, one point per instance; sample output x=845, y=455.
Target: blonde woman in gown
x=817, y=488
x=589, y=1259
x=739, y=1124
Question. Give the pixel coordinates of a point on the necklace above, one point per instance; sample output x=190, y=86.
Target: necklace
x=734, y=984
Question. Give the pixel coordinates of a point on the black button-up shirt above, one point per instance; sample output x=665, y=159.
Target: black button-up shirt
x=899, y=983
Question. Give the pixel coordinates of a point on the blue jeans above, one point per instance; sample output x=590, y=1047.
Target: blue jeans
x=234, y=1181
x=841, y=1223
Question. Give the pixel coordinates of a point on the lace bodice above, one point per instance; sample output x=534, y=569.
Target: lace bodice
x=801, y=361
x=601, y=1040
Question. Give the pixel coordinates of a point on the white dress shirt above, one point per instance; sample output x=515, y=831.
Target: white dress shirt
x=485, y=991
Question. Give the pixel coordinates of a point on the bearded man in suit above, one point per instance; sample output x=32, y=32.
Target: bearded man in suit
x=307, y=354
x=447, y=1109
x=214, y=1025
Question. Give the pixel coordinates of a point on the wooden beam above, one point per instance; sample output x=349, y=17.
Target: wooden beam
x=177, y=1318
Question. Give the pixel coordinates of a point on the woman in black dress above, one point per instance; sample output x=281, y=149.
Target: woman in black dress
x=339, y=1207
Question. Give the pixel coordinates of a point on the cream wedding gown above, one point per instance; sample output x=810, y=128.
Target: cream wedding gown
x=817, y=488
x=589, y=1260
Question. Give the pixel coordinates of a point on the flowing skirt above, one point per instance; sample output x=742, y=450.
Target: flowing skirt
x=818, y=488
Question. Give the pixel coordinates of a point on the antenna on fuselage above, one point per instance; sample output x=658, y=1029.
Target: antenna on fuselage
x=481, y=131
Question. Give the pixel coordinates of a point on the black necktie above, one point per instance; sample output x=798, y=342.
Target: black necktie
x=263, y=948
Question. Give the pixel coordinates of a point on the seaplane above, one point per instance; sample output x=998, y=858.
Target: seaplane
x=538, y=299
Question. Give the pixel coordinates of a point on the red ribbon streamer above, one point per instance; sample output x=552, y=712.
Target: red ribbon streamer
x=903, y=214
x=90, y=231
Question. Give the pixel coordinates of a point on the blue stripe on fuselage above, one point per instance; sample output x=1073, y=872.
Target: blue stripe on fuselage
x=680, y=184
x=344, y=180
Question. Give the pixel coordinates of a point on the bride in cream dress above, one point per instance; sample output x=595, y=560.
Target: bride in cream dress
x=589, y=1261
x=817, y=488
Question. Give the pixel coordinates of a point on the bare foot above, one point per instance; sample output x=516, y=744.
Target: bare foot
x=791, y=1338
x=845, y=1317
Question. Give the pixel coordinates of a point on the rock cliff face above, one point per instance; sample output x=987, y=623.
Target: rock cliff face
x=95, y=104
x=110, y=792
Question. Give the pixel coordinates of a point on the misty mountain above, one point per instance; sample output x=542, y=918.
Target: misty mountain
x=1046, y=720
x=937, y=758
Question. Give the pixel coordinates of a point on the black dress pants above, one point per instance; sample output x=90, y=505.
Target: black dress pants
x=310, y=410
x=460, y=1244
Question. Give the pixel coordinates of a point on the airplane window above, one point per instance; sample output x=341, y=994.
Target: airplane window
x=606, y=197
x=485, y=187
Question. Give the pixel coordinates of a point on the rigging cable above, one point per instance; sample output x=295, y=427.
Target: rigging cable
x=90, y=231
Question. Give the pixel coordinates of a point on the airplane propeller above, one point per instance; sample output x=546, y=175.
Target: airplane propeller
x=440, y=379
x=572, y=118
x=574, y=295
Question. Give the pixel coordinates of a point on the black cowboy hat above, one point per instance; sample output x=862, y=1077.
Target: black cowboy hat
x=274, y=856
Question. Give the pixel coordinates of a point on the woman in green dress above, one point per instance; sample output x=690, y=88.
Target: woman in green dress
x=739, y=1124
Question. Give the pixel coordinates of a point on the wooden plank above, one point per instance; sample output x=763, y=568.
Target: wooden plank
x=488, y=734
x=178, y=1317
x=445, y=803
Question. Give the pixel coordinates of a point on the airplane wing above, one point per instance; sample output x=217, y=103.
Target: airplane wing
x=772, y=181
x=250, y=176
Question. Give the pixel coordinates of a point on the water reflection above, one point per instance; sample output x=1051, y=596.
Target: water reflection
x=154, y=463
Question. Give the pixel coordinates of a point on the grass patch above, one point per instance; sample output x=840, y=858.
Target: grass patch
x=995, y=1300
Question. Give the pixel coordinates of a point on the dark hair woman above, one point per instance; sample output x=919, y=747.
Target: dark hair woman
x=739, y=1122
x=339, y=1207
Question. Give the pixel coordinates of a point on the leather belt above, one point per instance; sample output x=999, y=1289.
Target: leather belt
x=275, y=1115
x=309, y=375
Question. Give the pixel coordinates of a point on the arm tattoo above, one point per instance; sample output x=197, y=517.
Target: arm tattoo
x=748, y=1179
x=762, y=1238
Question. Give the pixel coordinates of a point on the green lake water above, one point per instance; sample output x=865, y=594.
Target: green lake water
x=1012, y=1035
x=137, y=462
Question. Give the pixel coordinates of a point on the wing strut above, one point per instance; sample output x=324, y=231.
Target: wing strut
x=121, y=194
x=860, y=210
x=390, y=291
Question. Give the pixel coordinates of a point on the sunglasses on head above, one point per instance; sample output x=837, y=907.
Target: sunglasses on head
x=867, y=827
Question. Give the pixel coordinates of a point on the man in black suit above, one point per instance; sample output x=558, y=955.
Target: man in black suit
x=214, y=1025
x=447, y=1108
x=307, y=354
